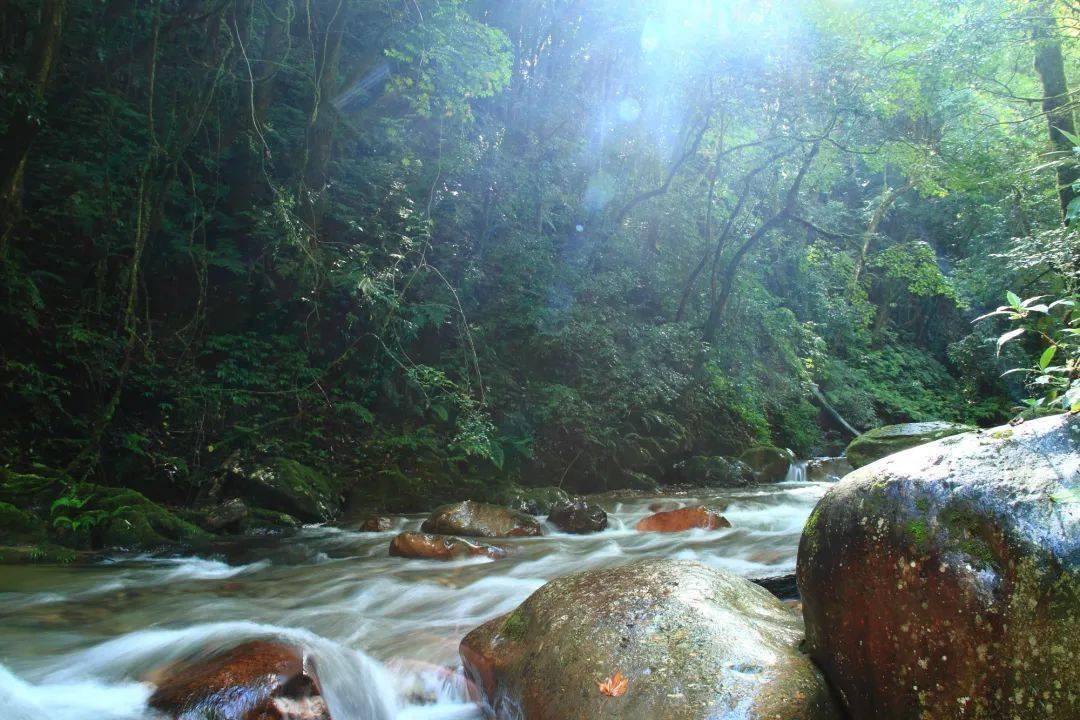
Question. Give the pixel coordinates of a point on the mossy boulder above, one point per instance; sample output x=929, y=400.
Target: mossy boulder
x=18, y=526
x=130, y=520
x=691, y=642
x=32, y=492
x=888, y=439
x=532, y=500
x=715, y=471
x=476, y=519
x=944, y=581
x=768, y=463
x=290, y=487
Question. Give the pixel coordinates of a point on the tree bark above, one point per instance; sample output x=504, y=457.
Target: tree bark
x=1056, y=102
x=716, y=312
x=23, y=126
x=880, y=212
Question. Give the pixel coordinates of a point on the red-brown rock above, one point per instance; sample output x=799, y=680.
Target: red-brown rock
x=257, y=680
x=943, y=582
x=683, y=519
x=440, y=547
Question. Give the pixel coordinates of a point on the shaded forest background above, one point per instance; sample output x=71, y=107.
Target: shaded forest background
x=430, y=249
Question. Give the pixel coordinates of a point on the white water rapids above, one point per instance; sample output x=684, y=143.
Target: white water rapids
x=81, y=642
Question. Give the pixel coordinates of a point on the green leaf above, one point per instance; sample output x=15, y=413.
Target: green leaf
x=1013, y=299
x=1047, y=356
x=1006, y=337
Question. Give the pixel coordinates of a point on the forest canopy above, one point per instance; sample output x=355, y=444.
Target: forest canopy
x=429, y=249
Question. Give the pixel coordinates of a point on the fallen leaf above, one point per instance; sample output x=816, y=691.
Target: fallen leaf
x=614, y=686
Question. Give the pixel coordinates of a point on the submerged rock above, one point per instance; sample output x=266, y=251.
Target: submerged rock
x=944, y=581
x=258, y=680
x=767, y=463
x=440, y=547
x=888, y=439
x=666, y=639
x=476, y=519
x=683, y=519
x=578, y=516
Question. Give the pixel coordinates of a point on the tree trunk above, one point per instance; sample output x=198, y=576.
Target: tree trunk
x=880, y=212
x=1056, y=103
x=22, y=126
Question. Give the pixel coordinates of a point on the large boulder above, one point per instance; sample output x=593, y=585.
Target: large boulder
x=683, y=519
x=767, y=463
x=290, y=487
x=888, y=439
x=578, y=516
x=659, y=638
x=257, y=680
x=476, y=519
x=944, y=581
x=440, y=547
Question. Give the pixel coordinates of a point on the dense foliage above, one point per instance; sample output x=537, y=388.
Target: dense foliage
x=440, y=247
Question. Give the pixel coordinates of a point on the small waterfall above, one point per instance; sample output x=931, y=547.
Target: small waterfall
x=796, y=472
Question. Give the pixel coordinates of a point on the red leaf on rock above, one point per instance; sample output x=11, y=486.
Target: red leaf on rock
x=614, y=686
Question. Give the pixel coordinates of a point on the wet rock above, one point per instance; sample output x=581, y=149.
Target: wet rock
x=888, y=439
x=827, y=468
x=944, y=581
x=227, y=515
x=475, y=519
x=440, y=547
x=257, y=680
x=782, y=587
x=377, y=523
x=767, y=463
x=692, y=642
x=578, y=516
x=533, y=500
x=289, y=487
x=683, y=519
x=715, y=471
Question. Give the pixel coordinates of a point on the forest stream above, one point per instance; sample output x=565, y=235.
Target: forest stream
x=84, y=641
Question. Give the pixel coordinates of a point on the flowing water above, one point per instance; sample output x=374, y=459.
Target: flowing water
x=79, y=643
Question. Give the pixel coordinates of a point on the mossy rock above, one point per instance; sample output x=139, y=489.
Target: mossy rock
x=290, y=487
x=18, y=526
x=134, y=521
x=768, y=463
x=691, y=642
x=532, y=500
x=888, y=439
x=32, y=492
x=714, y=470
x=261, y=521
x=944, y=581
